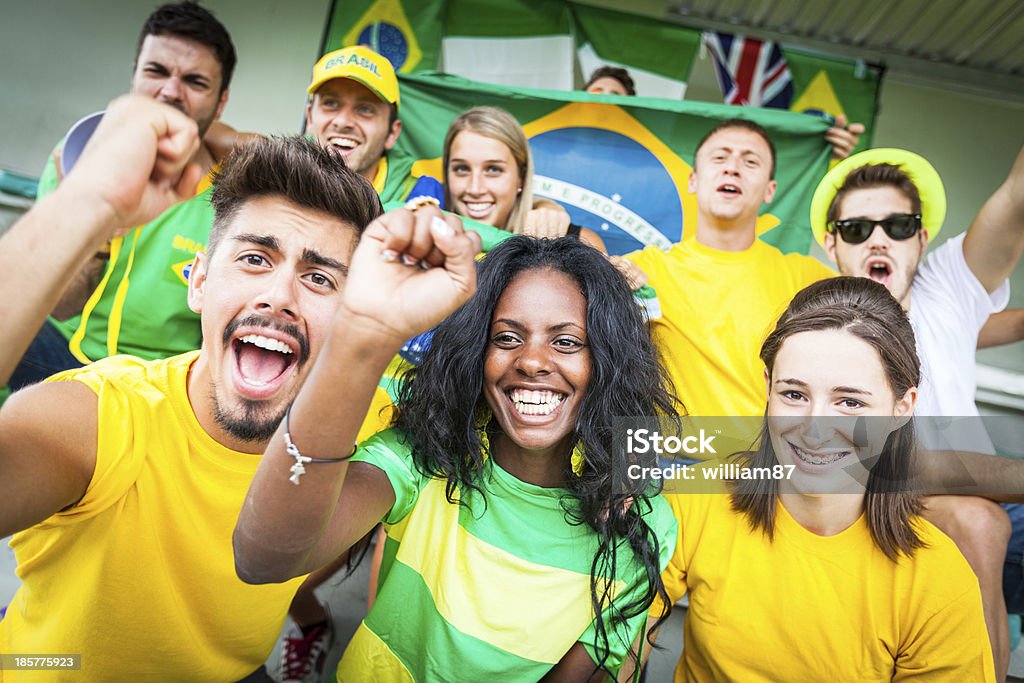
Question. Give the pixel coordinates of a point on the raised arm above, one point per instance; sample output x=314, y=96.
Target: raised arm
x=995, y=239
x=286, y=530
x=134, y=167
x=1004, y=327
x=971, y=474
x=220, y=139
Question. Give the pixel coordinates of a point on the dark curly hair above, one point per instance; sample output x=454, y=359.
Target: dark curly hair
x=442, y=401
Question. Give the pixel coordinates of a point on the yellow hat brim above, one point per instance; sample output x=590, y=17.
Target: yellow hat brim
x=385, y=88
x=922, y=174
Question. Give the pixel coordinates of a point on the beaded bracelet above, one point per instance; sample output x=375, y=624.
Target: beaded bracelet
x=421, y=201
x=299, y=468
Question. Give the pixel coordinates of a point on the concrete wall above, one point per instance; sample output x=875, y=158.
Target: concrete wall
x=64, y=59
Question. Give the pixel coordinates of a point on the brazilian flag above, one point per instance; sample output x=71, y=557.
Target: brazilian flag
x=620, y=165
x=833, y=87
x=407, y=33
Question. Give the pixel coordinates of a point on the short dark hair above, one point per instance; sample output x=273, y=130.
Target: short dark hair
x=618, y=73
x=875, y=175
x=189, y=20
x=746, y=124
x=298, y=170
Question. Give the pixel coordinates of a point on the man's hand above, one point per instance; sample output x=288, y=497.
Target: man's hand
x=545, y=222
x=843, y=137
x=634, y=275
x=410, y=271
x=135, y=166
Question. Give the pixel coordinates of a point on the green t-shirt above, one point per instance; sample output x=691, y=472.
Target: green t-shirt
x=487, y=592
x=140, y=306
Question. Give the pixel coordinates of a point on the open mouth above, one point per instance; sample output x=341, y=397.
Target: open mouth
x=262, y=364
x=879, y=270
x=535, y=402
x=814, y=460
x=729, y=189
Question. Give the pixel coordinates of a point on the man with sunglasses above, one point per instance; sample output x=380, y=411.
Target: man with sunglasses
x=874, y=214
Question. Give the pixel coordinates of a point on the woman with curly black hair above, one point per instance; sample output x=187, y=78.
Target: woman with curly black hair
x=516, y=546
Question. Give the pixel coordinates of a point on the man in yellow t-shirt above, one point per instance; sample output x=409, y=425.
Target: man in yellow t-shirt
x=721, y=290
x=122, y=481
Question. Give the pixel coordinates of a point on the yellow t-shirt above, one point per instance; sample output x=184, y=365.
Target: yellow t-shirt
x=139, y=576
x=717, y=308
x=820, y=608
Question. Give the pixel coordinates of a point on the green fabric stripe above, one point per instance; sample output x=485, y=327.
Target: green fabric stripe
x=388, y=559
x=513, y=508
x=655, y=46
x=507, y=18
x=404, y=616
x=856, y=86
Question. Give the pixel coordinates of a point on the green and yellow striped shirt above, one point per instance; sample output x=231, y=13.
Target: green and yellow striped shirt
x=501, y=589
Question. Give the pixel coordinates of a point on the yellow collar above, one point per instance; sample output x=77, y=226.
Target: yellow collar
x=382, y=175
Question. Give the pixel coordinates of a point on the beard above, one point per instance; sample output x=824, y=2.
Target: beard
x=249, y=421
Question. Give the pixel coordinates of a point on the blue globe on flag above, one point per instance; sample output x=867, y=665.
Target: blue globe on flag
x=388, y=40
x=609, y=183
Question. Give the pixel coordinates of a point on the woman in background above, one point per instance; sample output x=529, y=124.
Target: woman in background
x=488, y=176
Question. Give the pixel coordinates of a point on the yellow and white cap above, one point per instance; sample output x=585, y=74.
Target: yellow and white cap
x=360, y=64
x=921, y=173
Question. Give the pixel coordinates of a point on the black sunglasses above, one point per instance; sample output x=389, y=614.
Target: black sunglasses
x=899, y=226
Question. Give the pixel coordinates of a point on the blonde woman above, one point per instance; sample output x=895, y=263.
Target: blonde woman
x=488, y=174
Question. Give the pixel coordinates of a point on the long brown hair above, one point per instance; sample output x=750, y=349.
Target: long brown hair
x=867, y=310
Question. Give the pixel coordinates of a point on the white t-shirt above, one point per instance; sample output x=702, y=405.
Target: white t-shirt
x=948, y=307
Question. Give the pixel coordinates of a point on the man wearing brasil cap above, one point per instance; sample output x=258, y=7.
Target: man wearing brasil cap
x=874, y=214
x=353, y=110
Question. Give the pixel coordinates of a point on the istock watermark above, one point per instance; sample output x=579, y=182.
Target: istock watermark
x=644, y=441
x=824, y=454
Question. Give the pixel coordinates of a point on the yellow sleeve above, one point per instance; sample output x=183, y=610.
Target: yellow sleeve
x=378, y=417
x=119, y=456
x=951, y=646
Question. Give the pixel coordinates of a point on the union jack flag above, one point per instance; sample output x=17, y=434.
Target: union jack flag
x=750, y=71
